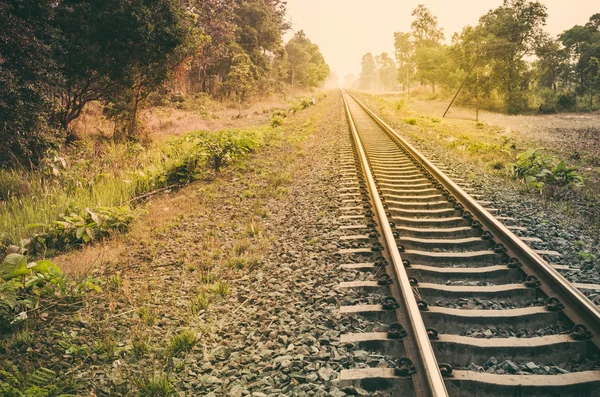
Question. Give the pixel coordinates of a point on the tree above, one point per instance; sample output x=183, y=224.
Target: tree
x=28, y=80
x=367, y=73
x=431, y=62
x=582, y=43
x=260, y=25
x=307, y=65
x=349, y=81
x=512, y=32
x=552, y=62
x=404, y=56
x=216, y=20
x=110, y=46
x=240, y=78
x=386, y=71
x=424, y=28
x=592, y=74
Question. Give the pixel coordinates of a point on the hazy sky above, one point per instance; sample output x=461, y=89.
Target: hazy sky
x=347, y=29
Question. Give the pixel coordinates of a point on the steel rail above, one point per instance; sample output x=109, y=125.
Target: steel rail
x=432, y=374
x=576, y=305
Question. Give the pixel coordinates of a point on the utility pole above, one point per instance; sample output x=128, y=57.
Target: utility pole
x=461, y=85
x=407, y=83
x=477, y=90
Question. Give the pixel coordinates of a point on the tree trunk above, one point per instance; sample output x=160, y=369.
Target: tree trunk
x=239, y=104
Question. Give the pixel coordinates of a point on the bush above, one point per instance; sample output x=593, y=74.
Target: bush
x=538, y=170
x=549, y=103
x=400, y=104
x=276, y=121
x=567, y=102
x=24, y=284
x=13, y=184
x=77, y=227
x=411, y=121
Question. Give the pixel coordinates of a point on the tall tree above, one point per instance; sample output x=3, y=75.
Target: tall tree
x=404, y=52
x=112, y=45
x=424, y=29
x=387, y=72
x=29, y=78
x=582, y=43
x=367, y=73
x=240, y=78
x=551, y=63
x=307, y=65
x=512, y=32
x=216, y=20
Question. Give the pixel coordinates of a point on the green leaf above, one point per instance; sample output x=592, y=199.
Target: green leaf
x=14, y=265
x=79, y=232
x=35, y=226
x=44, y=266
x=90, y=232
x=94, y=216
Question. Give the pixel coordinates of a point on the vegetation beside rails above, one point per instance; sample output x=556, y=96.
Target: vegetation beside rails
x=89, y=194
x=498, y=151
x=111, y=326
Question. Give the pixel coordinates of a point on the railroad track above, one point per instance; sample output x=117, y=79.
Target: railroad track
x=436, y=269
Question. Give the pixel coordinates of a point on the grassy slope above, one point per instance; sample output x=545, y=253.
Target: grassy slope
x=176, y=261
x=99, y=173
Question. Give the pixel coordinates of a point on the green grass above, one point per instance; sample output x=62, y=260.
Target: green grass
x=84, y=178
x=154, y=386
x=184, y=341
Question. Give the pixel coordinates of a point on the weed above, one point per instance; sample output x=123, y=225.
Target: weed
x=586, y=256
x=538, y=170
x=184, y=341
x=22, y=340
x=400, y=104
x=277, y=179
x=206, y=277
x=248, y=193
x=241, y=247
x=276, y=121
x=254, y=229
x=221, y=288
x=147, y=315
x=253, y=261
x=410, y=121
x=580, y=243
x=139, y=345
x=202, y=302
x=497, y=165
x=154, y=386
x=115, y=281
x=281, y=191
x=479, y=124
x=106, y=347
x=237, y=262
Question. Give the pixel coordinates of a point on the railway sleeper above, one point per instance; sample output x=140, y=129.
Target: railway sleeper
x=464, y=383
x=460, y=351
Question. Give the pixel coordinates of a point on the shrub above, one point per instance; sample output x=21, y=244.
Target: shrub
x=13, y=184
x=400, y=104
x=537, y=170
x=276, y=121
x=567, y=102
x=24, y=284
x=411, y=121
x=77, y=227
